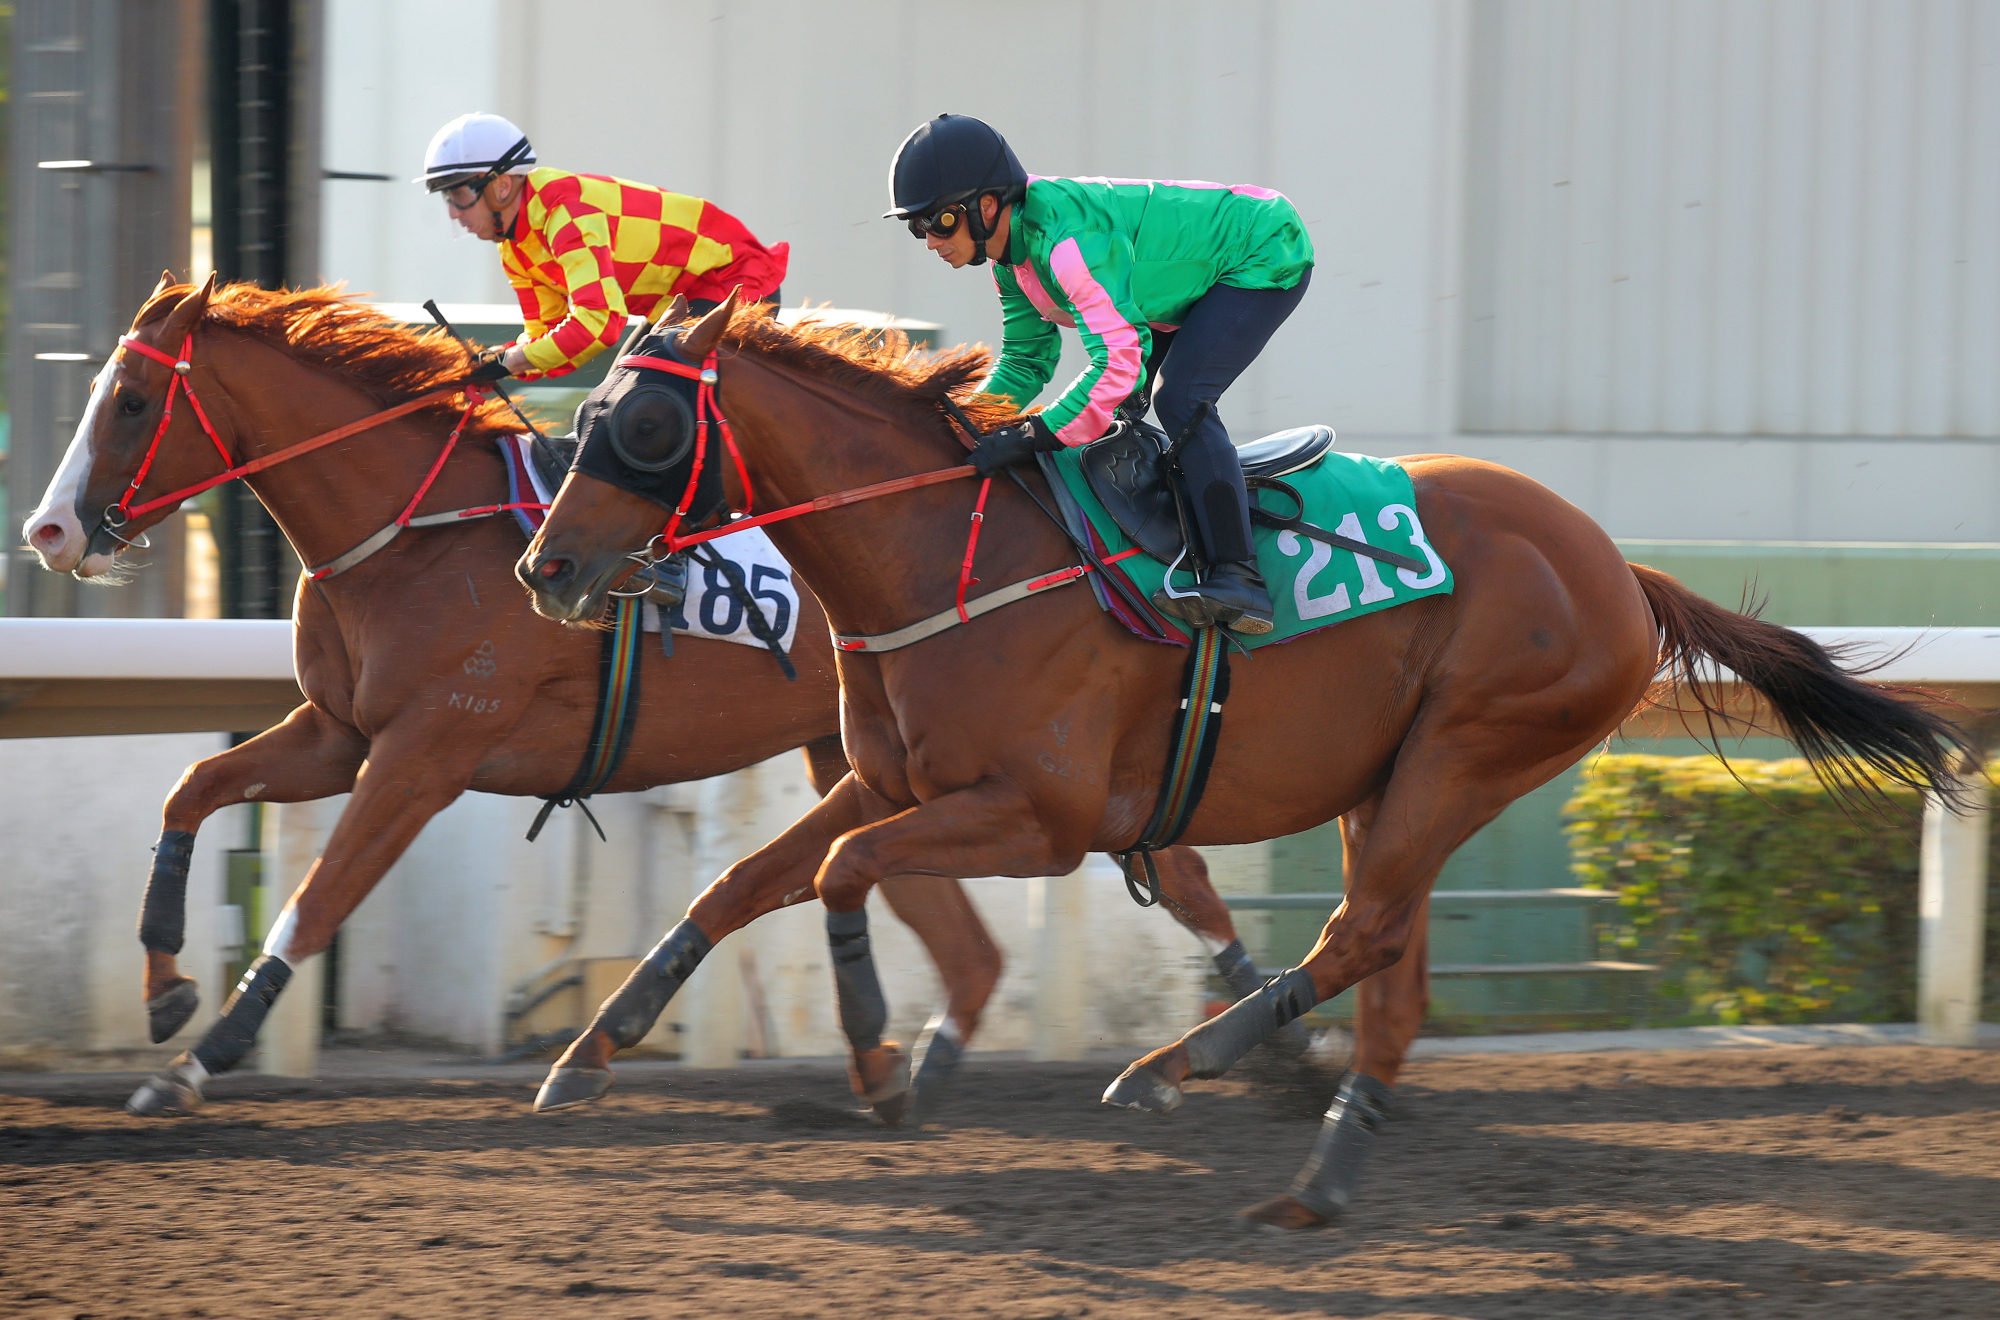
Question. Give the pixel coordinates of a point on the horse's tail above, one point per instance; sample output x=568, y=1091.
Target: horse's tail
x=1845, y=727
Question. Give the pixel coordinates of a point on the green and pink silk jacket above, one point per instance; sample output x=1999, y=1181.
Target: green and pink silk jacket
x=1118, y=259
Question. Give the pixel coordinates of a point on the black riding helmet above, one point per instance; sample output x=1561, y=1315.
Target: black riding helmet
x=951, y=159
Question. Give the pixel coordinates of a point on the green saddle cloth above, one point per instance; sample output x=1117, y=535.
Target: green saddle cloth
x=1312, y=583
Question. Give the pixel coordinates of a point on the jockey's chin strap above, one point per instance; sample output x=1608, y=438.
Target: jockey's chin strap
x=122, y=510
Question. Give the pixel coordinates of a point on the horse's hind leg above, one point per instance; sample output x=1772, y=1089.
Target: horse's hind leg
x=405, y=783
x=776, y=875
x=305, y=757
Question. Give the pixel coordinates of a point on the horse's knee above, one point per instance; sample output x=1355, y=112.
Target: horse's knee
x=846, y=876
x=1360, y=943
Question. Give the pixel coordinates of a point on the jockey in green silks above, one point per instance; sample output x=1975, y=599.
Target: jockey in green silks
x=1175, y=282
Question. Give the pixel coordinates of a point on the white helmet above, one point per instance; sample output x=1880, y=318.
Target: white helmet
x=479, y=145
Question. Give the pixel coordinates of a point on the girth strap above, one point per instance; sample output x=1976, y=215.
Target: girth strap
x=617, y=707
x=1205, y=687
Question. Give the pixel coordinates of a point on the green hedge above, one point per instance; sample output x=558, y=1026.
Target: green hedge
x=1761, y=901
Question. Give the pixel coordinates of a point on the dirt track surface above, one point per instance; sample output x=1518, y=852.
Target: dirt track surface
x=1775, y=1182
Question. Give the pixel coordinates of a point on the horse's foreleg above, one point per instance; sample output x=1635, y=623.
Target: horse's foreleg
x=776, y=875
x=404, y=784
x=989, y=829
x=1185, y=891
x=969, y=963
x=305, y=757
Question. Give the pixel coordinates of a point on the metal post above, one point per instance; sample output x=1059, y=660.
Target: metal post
x=1951, y=919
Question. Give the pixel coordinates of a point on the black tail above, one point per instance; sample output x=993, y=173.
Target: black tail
x=1846, y=728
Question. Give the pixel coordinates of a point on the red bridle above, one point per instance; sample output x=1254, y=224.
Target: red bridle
x=122, y=510
x=671, y=539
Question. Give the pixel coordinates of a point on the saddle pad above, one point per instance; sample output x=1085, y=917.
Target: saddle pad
x=710, y=609
x=1312, y=583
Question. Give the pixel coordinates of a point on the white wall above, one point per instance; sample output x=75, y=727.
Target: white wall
x=80, y=816
x=1735, y=219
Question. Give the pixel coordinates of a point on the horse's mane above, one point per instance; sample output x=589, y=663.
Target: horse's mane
x=877, y=364
x=323, y=327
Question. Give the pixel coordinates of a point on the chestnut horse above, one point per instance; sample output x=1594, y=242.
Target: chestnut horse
x=1015, y=743
x=424, y=670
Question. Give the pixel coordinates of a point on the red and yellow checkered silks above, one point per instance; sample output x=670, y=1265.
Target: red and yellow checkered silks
x=588, y=250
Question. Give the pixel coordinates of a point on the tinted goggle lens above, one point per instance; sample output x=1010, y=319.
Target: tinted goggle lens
x=943, y=223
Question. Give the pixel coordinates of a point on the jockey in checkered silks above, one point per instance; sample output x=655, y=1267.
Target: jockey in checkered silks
x=584, y=251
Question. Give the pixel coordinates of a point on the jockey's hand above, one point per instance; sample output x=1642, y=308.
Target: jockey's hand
x=491, y=366
x=1013, y=444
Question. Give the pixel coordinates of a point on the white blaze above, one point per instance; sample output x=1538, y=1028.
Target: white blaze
x=53, y=531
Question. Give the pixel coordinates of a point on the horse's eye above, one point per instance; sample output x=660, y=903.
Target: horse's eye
x=131, y=405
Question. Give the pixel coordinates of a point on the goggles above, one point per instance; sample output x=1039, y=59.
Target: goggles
x=943, y=222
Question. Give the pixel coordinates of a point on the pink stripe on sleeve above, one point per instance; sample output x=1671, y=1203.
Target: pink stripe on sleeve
x=1031, y=286
x=1101, y=317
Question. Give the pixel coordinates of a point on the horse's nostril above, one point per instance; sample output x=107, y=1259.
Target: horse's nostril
x=46, y=536
x=550, y=569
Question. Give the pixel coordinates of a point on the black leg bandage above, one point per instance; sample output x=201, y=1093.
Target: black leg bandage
x=243, y=1016
x=163, y=915
x=863, y=1010
x=1326, y=1184
x=630, y=1013
x=1237, y=970
x=1215, y=1045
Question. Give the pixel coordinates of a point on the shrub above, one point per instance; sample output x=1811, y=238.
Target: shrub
x=1762, y=901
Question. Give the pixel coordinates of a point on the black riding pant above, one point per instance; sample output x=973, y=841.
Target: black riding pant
x=1224, y=332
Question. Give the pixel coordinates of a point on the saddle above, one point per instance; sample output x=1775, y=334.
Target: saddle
x=666, y=580
x=1127, y=473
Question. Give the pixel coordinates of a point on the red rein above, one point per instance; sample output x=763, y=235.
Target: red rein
x=707, y=407
x=182, y=366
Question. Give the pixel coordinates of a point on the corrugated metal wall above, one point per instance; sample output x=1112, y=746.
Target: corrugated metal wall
x=1731, y=218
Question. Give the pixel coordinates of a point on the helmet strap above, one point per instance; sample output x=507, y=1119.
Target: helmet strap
x=975, y=224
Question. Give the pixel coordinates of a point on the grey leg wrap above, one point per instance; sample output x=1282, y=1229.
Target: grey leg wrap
x=163, y=915
x=1237, y=970
x=1215, y=1045
x=1326, y=1184
x=1240, y=974
x=630, y=1013
x=236, y=1030
x=863, y=1010
x=938, y=1055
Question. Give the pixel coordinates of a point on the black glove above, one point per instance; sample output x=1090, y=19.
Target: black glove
x=1013, y=444
x=490, y=366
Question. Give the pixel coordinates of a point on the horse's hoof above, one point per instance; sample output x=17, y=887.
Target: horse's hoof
x=565, y=1088
x=1282, y=1214
x=882, y=1073
x=892, y=1109
x=169, y=1011
x=164, y=1093
x=1139, y=1087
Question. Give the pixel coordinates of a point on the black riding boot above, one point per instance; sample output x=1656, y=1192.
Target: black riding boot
x=1233, y=595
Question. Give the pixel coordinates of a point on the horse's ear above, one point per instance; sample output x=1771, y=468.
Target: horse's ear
x=675, y=312
x=187, y=313
x=166, y=282
x=699, y=342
